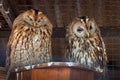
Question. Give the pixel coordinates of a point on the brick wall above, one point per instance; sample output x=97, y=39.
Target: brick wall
x=106, y=12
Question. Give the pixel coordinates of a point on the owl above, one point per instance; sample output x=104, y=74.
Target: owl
x=84, y=44
x=30, y=40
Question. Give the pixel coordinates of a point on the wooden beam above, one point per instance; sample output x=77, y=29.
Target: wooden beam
x=78, y=8
x=7, y=14
x=58, y=14
x=47, y=8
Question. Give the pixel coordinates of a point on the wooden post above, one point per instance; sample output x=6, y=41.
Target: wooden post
x=54, y=71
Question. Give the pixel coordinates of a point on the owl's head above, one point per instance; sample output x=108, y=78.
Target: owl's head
x=35, y=18
x=83, y=27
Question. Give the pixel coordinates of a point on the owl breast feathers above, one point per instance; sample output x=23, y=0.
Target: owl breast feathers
x=30, y=40
x=85, y=44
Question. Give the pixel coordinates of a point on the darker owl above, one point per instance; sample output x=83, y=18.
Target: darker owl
x=85, y=44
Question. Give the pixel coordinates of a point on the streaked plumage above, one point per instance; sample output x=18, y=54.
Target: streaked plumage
x=30, y=40
x=85, y=44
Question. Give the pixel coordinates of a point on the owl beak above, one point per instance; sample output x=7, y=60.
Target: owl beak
x=87, y=35
x=35, y=24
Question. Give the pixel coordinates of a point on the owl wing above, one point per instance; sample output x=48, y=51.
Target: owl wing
x=8, y=59
x=104, y=60
x=11, y=43
x=101, y=51
x=8, y=50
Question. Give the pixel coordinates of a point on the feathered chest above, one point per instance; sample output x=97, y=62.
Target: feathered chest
x=80, y=44
x=84, y=47
x=26, y=38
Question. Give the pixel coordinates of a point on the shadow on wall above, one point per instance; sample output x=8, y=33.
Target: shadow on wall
x=2, y=58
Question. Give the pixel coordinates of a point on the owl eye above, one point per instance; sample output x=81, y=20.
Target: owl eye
x=79, y=29
x=39, y=20
x=91, y=27
x=30, y=18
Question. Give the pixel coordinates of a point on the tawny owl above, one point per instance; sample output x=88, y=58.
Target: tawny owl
x=30, y=40
x=85, y=44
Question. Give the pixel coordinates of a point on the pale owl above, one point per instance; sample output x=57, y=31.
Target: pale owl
x=30, y=40
x=85, y=44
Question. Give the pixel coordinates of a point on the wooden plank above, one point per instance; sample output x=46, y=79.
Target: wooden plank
x=54, y=73
x=79, y=74
x=51, y=74
x=26, y=75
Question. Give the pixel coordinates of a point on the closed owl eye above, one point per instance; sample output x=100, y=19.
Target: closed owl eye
x=30, y=18
x=79, y=29
x=39, y=20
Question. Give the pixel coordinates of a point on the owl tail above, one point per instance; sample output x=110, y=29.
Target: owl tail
x=105, y=73
x=8, y=75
